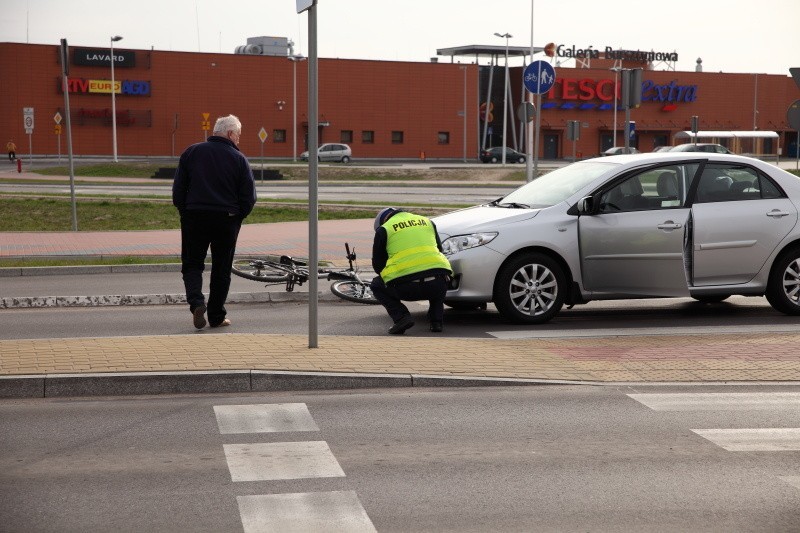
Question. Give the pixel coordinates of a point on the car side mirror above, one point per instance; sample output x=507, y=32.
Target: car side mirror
x=586, y=206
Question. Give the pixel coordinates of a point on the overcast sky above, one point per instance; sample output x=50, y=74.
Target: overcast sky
x=729, y=35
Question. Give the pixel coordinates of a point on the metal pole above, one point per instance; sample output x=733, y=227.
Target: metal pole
x=313, y=167
x=488, y=105
x=529, y=123
x=536, y=130
x=30, y=150
x=262, y=162
x=616, y=96
x=465, y=112
x=294, y=110
x=505, y=104
x=68, y=125
x=113, y=102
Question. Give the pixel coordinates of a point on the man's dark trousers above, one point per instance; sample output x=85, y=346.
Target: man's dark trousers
x=391, y=296
x=199, y=230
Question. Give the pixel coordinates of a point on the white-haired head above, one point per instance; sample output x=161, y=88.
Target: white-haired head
x=226, y=124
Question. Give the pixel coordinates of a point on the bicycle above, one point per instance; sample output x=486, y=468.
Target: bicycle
x=291, y=271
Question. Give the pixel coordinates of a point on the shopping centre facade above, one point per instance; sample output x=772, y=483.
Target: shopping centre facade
x=382, y=109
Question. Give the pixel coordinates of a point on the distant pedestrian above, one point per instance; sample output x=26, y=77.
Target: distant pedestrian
x=214, y=191
x=407, y=256
x=12, y=150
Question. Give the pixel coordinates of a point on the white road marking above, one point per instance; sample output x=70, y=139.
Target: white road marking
x=791, y=480
x=310, y=512
x=754, y=440
x=264, y=418
x=534, y=333
x=281, y=460
x=728, y=401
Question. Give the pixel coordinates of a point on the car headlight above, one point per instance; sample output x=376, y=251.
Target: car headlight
x=465, y=242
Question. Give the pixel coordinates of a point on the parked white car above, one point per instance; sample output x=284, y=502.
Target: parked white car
x=661, y=224
x=332, y=152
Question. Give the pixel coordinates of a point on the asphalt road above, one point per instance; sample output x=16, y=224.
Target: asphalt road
x=550, y=458
x=336, y=317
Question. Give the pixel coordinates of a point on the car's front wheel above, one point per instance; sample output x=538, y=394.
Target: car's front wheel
x=521, y=160
x=530, y=289
x=783, y=288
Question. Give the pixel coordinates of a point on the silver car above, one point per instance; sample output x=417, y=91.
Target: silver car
x=331, y=152
x=631, y=226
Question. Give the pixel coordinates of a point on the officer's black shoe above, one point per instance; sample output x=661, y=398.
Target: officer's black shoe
x=436, y=327
x=401, y=325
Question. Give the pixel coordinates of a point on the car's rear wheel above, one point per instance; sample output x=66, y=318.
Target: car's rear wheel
x=783, y=288
x=345, y=159
x=494, y=159
x=530, y=289
x=521, y=160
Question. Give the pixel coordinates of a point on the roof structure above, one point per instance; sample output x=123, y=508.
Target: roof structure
x=486, y=50
x=744, y=134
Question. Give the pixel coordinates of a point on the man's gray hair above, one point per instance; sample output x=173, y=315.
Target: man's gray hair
x=226, y=124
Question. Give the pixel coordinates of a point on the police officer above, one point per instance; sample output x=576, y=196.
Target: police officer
x=407, y=255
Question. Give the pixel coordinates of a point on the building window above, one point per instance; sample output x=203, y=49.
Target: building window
x=367, y=136
x=444, y=137
x=346, y=136
x=397, y=137
x=279, y=136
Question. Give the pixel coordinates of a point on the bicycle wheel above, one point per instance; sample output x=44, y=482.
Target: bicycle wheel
x=258, y=270
x=354, y=291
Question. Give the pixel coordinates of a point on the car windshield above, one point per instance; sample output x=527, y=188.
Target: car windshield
x=555, y=186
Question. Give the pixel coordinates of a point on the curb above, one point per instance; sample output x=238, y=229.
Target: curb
x=233, y=381
x=28, y=302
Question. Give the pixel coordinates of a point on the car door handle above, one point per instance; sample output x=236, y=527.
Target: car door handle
x=669, y=225
x=775, y=213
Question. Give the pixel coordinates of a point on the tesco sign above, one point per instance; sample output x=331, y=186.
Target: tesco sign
x=586, y=89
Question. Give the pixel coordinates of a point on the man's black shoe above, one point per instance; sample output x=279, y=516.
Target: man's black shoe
x=198, y=317
x=436, y=327
x=401, y=325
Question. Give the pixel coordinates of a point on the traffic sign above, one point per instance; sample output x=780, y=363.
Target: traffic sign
x=525, y=112
x=539, y=77
x=27, y=117
x=58, y=129
x=262, y=134
x=57, y=117
x=793, y=115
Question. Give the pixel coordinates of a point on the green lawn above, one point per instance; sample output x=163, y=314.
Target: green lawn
x=56, y=215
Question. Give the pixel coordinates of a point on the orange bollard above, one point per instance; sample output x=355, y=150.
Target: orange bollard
x=19, y=165
x=422, y=155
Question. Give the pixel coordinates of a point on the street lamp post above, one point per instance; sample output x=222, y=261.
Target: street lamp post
x=505, y=36
x=294, y=59
x=616, y=92
x=114, y=39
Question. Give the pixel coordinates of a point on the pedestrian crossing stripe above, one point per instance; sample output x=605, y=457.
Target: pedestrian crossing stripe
x=727, y=401
x=267, y=461
x=754, y=439
x=308, y=512
x=264, y=418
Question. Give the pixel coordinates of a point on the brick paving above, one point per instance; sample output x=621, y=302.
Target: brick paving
x=771, y=357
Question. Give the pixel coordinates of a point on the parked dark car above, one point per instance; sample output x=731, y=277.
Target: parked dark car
x=495, y=155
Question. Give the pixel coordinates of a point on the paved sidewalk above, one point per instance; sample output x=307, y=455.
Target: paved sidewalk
x=85, y=366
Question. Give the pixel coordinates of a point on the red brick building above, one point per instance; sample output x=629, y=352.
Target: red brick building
x=383, y=109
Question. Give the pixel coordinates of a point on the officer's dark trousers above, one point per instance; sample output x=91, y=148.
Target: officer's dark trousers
x=199, y=231
x=391, y=297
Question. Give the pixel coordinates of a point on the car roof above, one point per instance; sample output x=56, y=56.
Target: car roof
x=666, y=157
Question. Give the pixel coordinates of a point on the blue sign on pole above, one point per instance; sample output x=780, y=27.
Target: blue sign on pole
x=539, y=77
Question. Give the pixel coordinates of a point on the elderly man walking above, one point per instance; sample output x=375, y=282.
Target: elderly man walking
x=214, y=191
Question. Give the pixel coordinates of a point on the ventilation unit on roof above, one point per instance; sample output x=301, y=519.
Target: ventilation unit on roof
x=266, y=46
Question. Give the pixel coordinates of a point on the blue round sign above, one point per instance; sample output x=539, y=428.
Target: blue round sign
x=539, y=77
